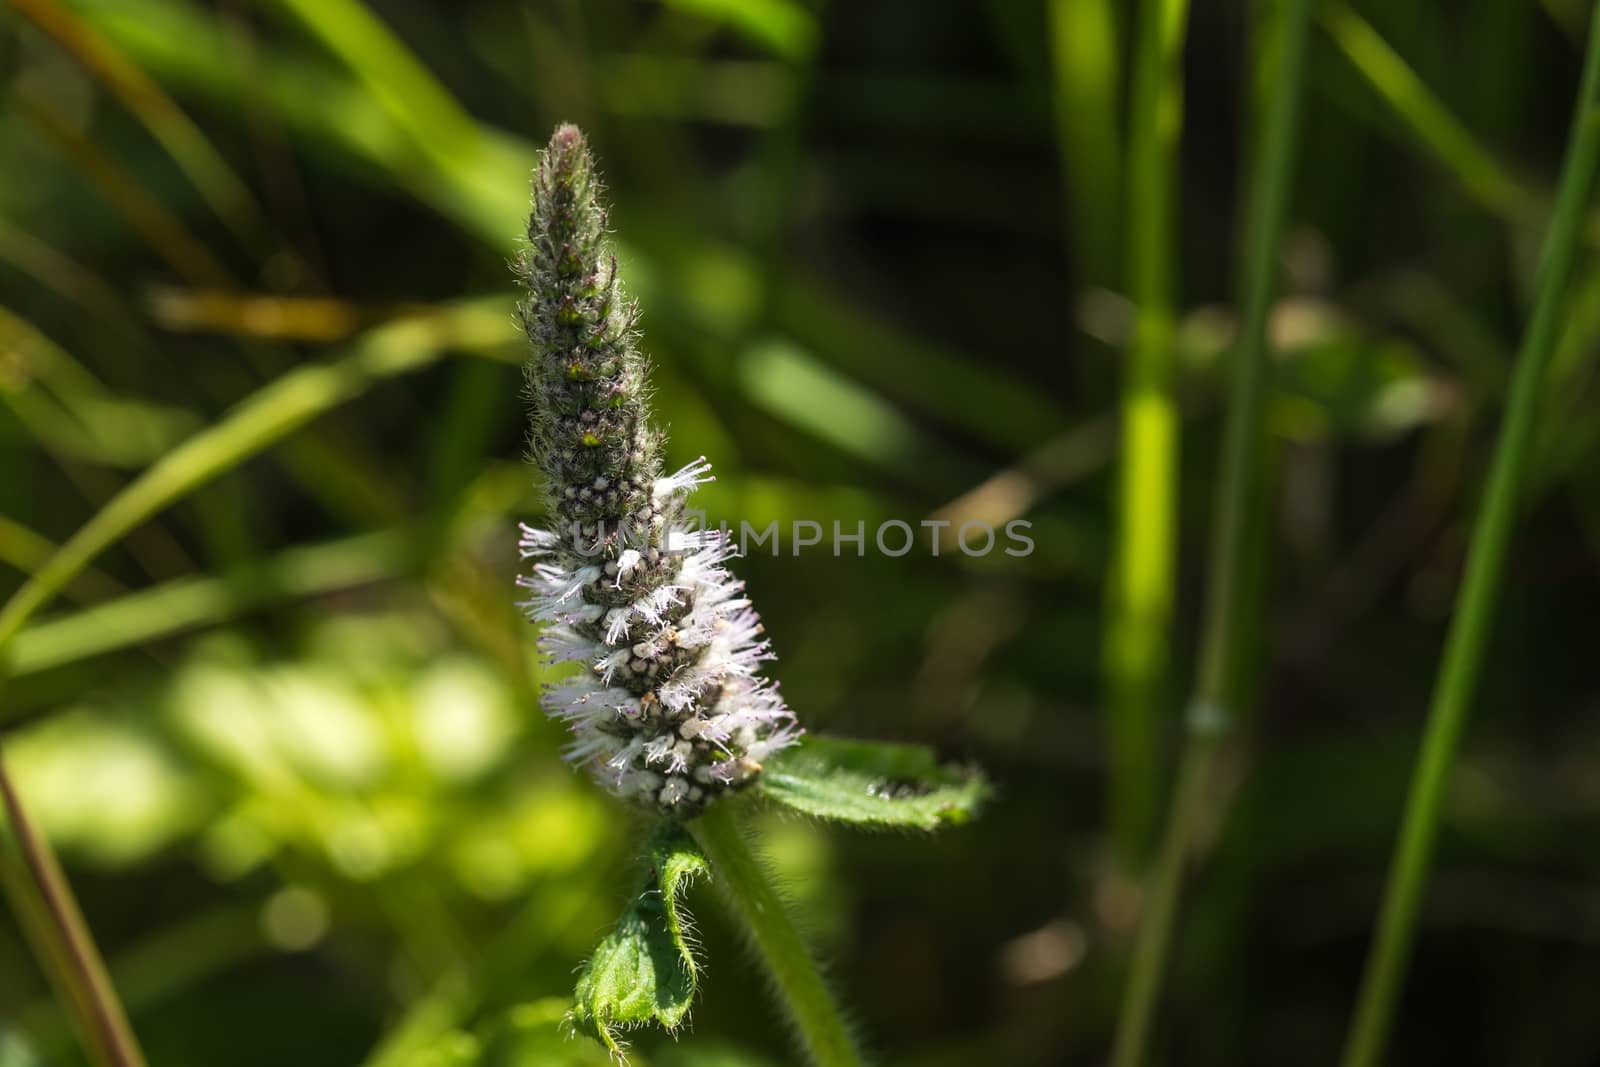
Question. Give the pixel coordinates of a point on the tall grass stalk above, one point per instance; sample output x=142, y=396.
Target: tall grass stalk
x=1469, y=629
x=1140, y=596
x=1211, y=712
x=53, y=924
x=1084, y=63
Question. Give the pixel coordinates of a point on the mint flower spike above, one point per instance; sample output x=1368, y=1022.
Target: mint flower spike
x=670, y=710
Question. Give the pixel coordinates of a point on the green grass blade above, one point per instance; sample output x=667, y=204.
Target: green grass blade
x=1239, y=499
x=267, y=416
x=1475, y=603
x=39, y=889
x=123, y=191
x=1143, y=578
x=1424, y=115
x=189, y=603
x=1084, y=62
x=783, y=27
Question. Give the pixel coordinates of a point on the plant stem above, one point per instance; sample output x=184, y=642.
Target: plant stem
x=1239, y=498
x=1469, y=629
x=45, y=903
x=1140, y=595
x=747, y=886
x=1084, y=62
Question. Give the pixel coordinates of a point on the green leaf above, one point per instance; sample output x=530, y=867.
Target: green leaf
x=645, y=969
x=873, y=784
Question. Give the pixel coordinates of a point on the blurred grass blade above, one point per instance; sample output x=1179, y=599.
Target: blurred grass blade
x=262, y=419
x=1567, y=436
x=192, y=602
x=783, y=27
x=43, y=939
x=1239, y=500
x=228, y=196
x=282, y=318
x=1143, y=575
x=148, y=217
x=71, y=279
x=734, y=92
x=436, y=123
x=793, y=385
x=68, y=410
x=45, y=902
x=393, y=74
x=1424, y=115
x=1084, y=61
x=1475, y=602
x=951, y=386
x=27, y=551
x=167, y=963
x=488, y=200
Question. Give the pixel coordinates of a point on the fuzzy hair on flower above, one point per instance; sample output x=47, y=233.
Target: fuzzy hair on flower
x=670, y=709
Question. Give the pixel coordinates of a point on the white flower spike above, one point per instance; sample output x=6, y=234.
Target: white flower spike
x=672, y=711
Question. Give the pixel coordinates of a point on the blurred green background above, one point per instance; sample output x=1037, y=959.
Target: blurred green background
x=285, y=734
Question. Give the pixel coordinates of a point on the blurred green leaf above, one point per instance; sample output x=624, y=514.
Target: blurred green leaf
x=1347, y=385
x=67, y=409
x=783, y=27
x=104, y=787
x=455, y=1048
x=14, y=1052
x=791, y=383
x=533, y=1035
x=874, y=784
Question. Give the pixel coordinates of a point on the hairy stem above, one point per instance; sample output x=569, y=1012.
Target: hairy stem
x=49, y=913
x=1469, y=629
x=1239, y=499
x=748, y=887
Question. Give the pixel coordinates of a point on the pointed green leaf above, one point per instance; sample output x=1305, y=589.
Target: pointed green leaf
x=645, y=969
x=874, y=784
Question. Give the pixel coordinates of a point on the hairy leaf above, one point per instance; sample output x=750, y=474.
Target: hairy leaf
x=645, y=969
x=873, y=784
